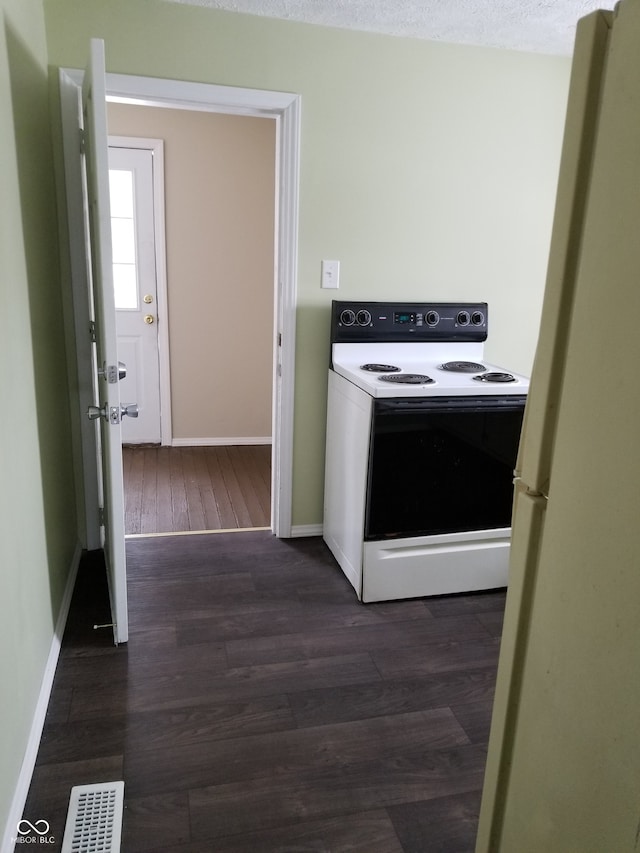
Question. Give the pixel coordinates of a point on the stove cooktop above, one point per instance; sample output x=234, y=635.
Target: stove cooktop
x=419, y=370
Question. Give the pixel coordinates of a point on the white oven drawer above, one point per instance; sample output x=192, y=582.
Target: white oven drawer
x=435, y=565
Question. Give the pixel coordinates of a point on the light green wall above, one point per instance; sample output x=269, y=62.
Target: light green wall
x=427, y=169
x=37, y=515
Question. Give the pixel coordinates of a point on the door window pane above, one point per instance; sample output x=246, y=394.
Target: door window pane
x=125, y=270
x=125, y=287
x=121, y=192
x=123, y=241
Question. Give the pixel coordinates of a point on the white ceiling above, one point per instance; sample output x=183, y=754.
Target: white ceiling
x=541, y=26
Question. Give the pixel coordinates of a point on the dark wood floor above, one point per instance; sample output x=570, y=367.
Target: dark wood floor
x=175, y=489
x=259, y=707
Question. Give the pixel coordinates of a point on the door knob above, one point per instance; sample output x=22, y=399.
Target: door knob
x=147, y=298
x=148, y=318
x=95, y=412
x=114, y=414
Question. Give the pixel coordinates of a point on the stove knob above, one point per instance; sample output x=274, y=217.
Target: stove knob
x=477, y=318
x=432, y=318
x=463, y=318
x=347, y=318
x=363, y=318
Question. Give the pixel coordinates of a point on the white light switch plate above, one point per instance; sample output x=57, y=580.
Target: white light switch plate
x=330, y=276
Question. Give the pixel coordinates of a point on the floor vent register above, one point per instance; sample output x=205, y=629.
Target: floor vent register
x=94, y=820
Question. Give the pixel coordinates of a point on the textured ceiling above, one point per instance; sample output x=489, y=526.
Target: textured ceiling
x=541, y=26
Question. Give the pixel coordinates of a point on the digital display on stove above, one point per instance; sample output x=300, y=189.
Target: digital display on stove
x=404, y=317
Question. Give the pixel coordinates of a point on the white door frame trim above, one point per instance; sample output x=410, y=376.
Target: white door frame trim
x=285, y=109
x=156, y=146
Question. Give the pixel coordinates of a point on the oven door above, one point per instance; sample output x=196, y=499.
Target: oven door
x=441, y=465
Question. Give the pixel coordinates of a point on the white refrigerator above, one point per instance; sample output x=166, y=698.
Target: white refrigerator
x=563, y=767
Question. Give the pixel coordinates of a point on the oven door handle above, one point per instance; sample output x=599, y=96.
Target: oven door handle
x=411, y=405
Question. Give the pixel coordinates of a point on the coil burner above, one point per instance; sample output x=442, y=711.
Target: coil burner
x=495, y=376
x=463, y=366
x=407, y=379
x=380, y=368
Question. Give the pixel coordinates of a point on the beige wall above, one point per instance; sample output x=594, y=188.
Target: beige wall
x=220, y=203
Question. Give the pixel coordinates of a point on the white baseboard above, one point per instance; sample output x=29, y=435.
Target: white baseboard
x=37, y=723
x=300, y=530
x=220, y=442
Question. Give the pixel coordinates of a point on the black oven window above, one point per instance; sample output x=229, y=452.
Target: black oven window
x=444, y=469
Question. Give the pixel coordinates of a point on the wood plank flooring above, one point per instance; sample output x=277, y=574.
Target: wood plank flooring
x=179, y=489
x=258, y=706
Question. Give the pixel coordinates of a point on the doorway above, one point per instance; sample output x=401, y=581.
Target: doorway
x=285, y=109
x=219, y=179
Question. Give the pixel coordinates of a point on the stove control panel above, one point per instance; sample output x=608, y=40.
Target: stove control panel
x=408, y=321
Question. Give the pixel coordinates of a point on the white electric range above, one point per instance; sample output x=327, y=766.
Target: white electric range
x=422, y=438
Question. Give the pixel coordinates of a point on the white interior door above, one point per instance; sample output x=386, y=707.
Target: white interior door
x=108, y=412
x=131, y=185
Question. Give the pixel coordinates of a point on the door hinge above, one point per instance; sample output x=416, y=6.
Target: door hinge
x=92, y=331
x=83, y=140
x=101, y=516
x=279, y=339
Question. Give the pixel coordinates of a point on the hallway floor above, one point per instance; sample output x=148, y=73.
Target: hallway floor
x=258, y=706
